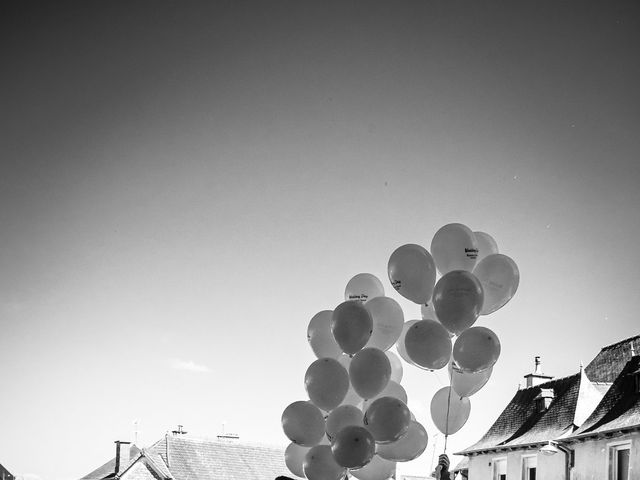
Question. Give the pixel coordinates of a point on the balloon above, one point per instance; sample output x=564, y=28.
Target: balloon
x=458, y=299
x=402, y=351
x=486, y=245
x=476, y=349
x=427, y=312
x=319, y=464
x=294, y=458
x=303, y=423
x=343, y=416
x=408, y=447
x=396, y=366
x=454, y=247
x=363, y=287
x=393, y=389
x=320, y=337
x=387, y=322
x=351, y=325
x=466, y=384
x=452, y=418
x=370, y=371
x=327, y=383
x=412, y=272
x=428, y=344
x=353, y=447
x=499, y=277
x=351, y=398
x=387, y=418
x=377, y=469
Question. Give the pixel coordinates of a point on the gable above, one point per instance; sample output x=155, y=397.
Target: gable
x=140, y=471
x=619, y=408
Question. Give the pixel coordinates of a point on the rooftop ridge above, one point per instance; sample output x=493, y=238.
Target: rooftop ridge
x=626, y=340
x=216, y=440
x=551, y=382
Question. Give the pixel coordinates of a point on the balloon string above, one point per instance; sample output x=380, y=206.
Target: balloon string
x=446, y=433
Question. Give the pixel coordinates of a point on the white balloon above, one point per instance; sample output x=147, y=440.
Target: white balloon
x=499, y=276
x=408, y=447
x=454, y=247
x=449, y=411
x=352, y=398
x=387, y=322
x=400, y=347
x=466, y=384
x=320, y=337
x=427, y=312
x=294, y=458
x=396, y=366
x=377, y=469
x=363, y=287
x=393, y=389
x=486, y=245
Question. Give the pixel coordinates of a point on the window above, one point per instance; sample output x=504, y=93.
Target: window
x=619, y=460
x=500, y=469
x=529, y=467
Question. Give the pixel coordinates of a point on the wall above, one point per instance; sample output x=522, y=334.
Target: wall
x=550, y=467
x=592, y=458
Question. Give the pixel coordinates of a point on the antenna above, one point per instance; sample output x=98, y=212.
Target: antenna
x=136, y=423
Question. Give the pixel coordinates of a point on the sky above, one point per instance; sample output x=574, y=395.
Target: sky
x=183, y=185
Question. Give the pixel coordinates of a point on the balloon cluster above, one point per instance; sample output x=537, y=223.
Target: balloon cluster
x=356, y=420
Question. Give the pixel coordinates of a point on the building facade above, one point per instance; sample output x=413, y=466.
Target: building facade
x=581, y=427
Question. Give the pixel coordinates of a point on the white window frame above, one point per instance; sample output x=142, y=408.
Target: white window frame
x=494, y=469
x=612, y=458
x=523, y=463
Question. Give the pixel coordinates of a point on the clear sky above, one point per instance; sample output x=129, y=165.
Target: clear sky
x=184, y=185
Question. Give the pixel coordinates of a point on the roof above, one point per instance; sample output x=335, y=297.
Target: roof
x=108, y=469
x=6, y=475
x=611, y=359
x=205, y=459
x=522, y=424
x=153, y=463
x=202, y=459
x=619, y=408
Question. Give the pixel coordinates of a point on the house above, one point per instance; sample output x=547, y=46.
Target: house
x=584, y=426
x=180, y=457
x=5, y=475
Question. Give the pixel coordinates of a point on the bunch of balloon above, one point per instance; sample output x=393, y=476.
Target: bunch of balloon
x=356, y=421
x=473, y=279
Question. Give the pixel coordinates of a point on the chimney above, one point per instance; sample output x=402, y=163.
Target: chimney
x=536, y=377
x=122, y=455
x=544, y=399
x=179, y=431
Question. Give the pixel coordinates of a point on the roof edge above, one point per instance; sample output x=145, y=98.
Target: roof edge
x=501, y=448
x=584, y=436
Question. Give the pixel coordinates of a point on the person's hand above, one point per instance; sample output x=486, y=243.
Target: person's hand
x=442, y=469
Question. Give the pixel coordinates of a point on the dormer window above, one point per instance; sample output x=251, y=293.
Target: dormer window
x=633, y=381
x=544, y=399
